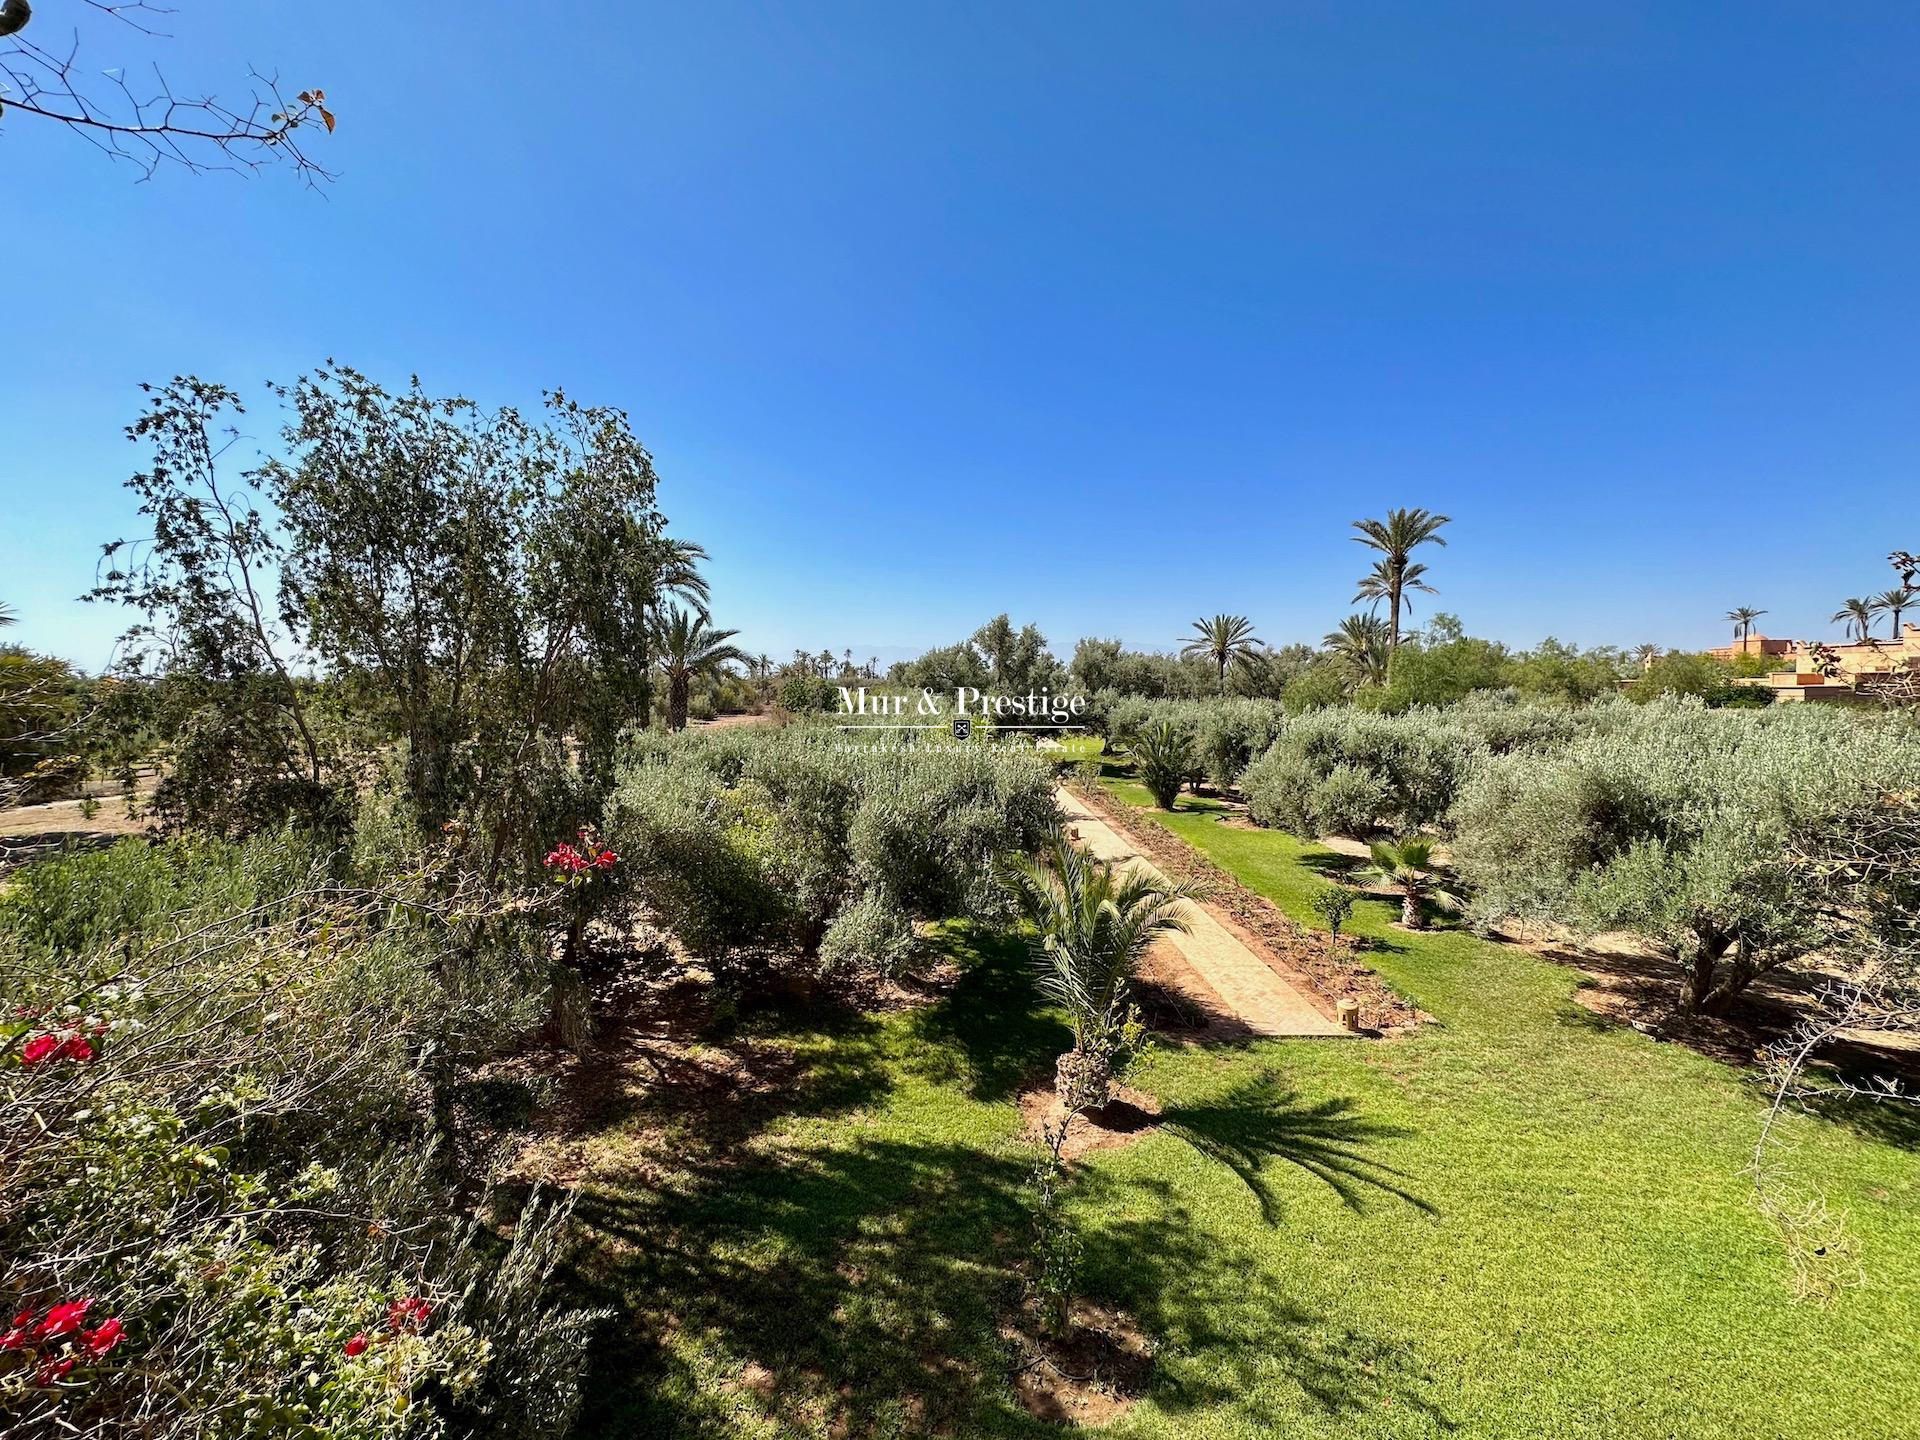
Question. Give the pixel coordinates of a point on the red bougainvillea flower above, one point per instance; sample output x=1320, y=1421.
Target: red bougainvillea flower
x=75, y=1047
x=103, y=1337
x=53, y=1370
x=356, y=1346
x=17, y=1335
x=62, y=1320
x=605, y=860
x=38, y=1049
x=410, y=1313
x=564, y=857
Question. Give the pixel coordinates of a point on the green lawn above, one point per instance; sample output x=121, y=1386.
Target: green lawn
x=1516, y=1223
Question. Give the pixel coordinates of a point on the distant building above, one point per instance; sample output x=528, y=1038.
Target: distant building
x=1751, y=645
x=1840, y=672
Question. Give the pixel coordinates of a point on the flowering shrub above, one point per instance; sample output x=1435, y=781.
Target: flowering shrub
x=226, y=1202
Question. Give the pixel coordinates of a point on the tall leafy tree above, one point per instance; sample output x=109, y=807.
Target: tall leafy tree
x=1857, y=616
x=687, y=647
x=1224, y=640
x=1396, y=537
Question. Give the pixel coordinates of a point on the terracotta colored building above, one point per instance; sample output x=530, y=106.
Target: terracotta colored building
x=1841, y=672
x=1752, y=645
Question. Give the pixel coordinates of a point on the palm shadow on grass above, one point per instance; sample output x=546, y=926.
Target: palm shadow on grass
x=1261, y=1121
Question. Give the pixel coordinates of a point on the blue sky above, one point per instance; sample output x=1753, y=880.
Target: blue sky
x=1104, y=315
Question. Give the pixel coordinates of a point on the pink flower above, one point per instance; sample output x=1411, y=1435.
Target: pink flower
x=53, y=1370
x=103, y=1338
x=62, y=1320
x=38, y=1049
x=75, y=1047
x=356, y=1346
x=605, y=860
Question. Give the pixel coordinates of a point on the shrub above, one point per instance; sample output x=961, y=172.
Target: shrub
x=1351, y=771
x=1673, y=824
x=806, y=694
x=757, y=844
x=226, y=1099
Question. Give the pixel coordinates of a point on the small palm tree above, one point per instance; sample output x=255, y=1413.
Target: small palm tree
x=1396, y=538
x=1743, y=619
x=1225, y=640
x=1857, y=616
x=1646, y=655
x=1363, y=647
x=685, y=646
x=1092, y=927
x=1408, y=865
x=1894, y=602
x=1166, y=759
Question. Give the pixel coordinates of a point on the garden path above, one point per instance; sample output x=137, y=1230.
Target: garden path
x=1218, y=969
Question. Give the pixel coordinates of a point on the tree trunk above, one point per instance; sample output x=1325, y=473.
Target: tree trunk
x=1696, y=982
x=1410, y=915
x=677, y=703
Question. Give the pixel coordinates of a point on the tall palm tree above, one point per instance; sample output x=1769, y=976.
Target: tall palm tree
x=679, y=574
x=1225, y=639
x=1377, y=585
x=7, y=617
x=1893, y=602
x=1362, y=647
x=685, y=646
x=1857, y=615
x=1396, y=538
x=1743, y=619
x=1092, y=926
x=1646, y=655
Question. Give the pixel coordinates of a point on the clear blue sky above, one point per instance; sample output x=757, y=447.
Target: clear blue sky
x=1104, y=315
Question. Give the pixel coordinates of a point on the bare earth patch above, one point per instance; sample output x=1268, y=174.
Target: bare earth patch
x=1128, y=1116
x=1089, y=1375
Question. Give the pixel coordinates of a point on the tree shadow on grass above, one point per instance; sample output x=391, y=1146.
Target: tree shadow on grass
x=1260, y=1121
x=992, y=1032
x=856, y=1290
x=1232, y=1337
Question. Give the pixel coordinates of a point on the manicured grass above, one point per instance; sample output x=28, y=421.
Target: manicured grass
x=1518, y=1222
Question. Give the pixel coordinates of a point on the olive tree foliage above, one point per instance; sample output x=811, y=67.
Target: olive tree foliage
x=1677, y=824
x=760, y=847
x=996, y=657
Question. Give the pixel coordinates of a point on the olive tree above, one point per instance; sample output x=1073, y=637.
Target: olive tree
x=1676, y=826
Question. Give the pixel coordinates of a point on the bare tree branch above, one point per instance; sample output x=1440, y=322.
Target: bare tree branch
x=153, y=125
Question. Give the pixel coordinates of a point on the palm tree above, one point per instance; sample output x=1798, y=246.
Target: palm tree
x=1377, y=585
x=1363, y=648
x=1396, y=538
x=7, y=617
x=1092, y=926
x=1857, y=615
x=1224, y=639
x=1893, y=602
x=1407, y=864
x=1646, y=655
x=679, y=574
x=1165, y=759
x=1743, y=619
x=685, y=646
